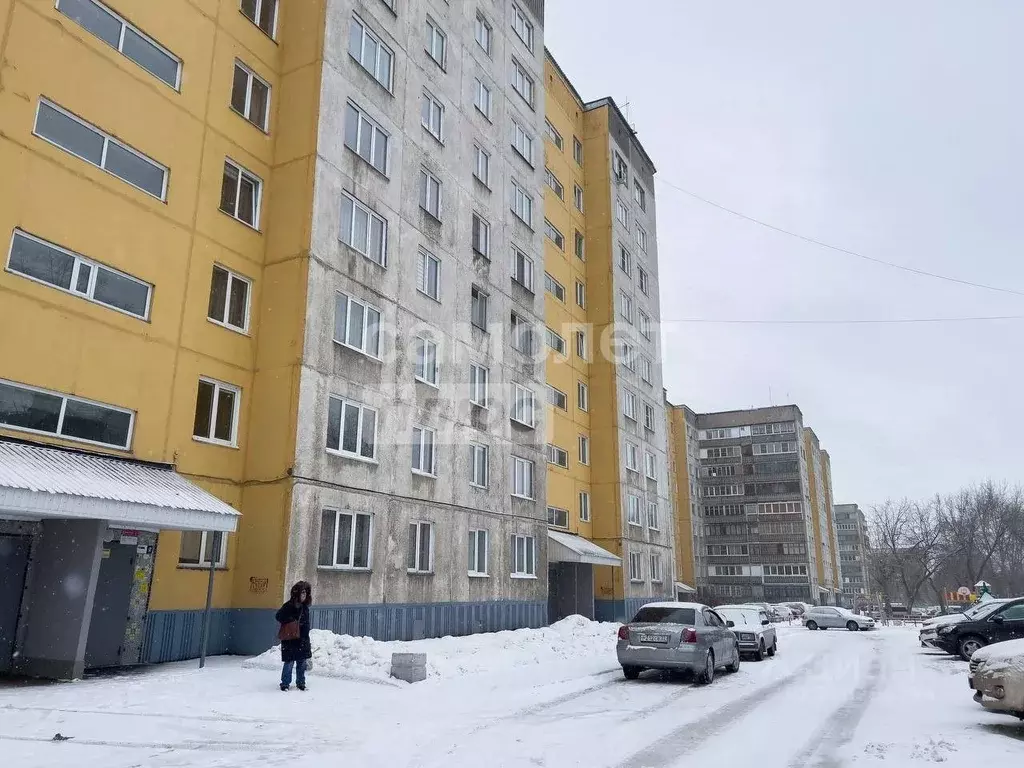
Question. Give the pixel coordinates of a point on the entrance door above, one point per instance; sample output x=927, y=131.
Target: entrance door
x=13, y=563
x=110, y=608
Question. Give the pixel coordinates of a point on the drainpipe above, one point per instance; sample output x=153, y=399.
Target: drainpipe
x=214, y=556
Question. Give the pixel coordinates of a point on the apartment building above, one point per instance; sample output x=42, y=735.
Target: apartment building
x=690, y=550
x=609, y=494
x=294, y=273
x=854, y=545
x=819, y=477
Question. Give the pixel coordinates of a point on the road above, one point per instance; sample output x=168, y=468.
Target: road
x=828, y=699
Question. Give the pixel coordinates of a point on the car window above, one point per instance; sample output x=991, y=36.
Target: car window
x=666, y=615
x=1013, y=613
x=762, y=616
x=711, y=618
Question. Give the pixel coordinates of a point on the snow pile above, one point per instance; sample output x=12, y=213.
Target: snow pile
x=362, y=658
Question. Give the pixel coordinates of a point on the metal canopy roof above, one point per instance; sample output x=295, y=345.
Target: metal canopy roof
x=567, y=548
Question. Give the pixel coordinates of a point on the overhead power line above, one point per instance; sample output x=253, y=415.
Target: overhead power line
x=893, y=321
x=836, y=248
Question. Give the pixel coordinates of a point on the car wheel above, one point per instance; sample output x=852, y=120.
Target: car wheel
x=852, y=625
x=707, y=676
x=631, y=673
x=811, y=625
x=735, y=666
x=774, y=648
x=759, y=653
x=969, y=645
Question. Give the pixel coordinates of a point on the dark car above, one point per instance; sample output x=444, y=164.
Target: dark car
x=964, y=638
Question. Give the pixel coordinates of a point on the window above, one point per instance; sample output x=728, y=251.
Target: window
x=581, y=295
x=250, y=96
x=577, y=150
x=650, y=466
x=723, y=490
x=625, y=261
x=89, y=143
x=479, y=456
x=584, y=507
x=640, y=195
x=522, y=142
x=423, y=456
x=628, y=356
x=522, y=269
x=582, y=396
x=729, y=570
x=558, y=518
x=762, y=449
x=621, y=169
x=428, y=274
x=632, y=458
x=557, y=398
x=367, y=139
x=785, y=508
x=478, y=310
x=720, y=453
x=581, y=345
x=524, y=556
x=436, y=42
x=522, y=478
x=481, y=165
x=522, y=204
x=579, y=244
x=421, y=548
x=240, y=194
x=262, y=13
x=554, y=235
x=553, y=134
x=727, y=549
x=621, y=212
x=785, y=570
x=426, y=361
x=65, y=270
x=216, y=418
x=794, y=549
x=478, y=553
x=363, y=230
x=636, y=566
x=125, y=38
x=773, y=429
x=351, y=429
x=523, y=406
x=523, y=27
x=197, y=549
x=577, y=197
x=584, y=446
x=554, y=183
x=430, y=193
x=229, y=299
x=36, y=410
x=656, y=576
x=643, y=281
x=629, y=405
x=484, y=34
x=649, y=417
x=522, y=335
x=371, y=53
x=554, y=287
x=356, y=325
x=432, y=116
x=625, y=306
x=479, y=383
x=652, y=516
x=644, y=323
x=522, y=82
x=722, y=470
x=556, y=342
x=344, y=539
x=641, y=238
x=558, y=456
x=482, y=98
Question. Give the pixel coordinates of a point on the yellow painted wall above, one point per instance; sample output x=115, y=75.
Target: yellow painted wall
x=65, y=343
x=679, y=472
x=810, y=449
x=833, y=536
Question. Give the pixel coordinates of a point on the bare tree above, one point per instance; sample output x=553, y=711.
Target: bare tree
x=906, y=548
x=977, y=521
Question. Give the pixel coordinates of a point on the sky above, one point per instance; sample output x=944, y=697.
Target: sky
x=889, y=129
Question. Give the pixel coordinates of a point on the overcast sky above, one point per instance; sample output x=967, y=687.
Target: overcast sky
x=891, y=129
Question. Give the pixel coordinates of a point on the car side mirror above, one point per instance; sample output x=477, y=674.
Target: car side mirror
x=998, y=619
x=765, y=622
x=730, y=623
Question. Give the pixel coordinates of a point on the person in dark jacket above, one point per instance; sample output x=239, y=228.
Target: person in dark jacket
x=294, y=653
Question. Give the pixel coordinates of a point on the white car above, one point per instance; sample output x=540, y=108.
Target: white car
x=930, y=628
x=784, y=611
x=754, y=632
x=829, y=616
x=997, y=677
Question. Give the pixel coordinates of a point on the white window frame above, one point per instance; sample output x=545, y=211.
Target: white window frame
x=641, y=238
x=381, y=46
x=361, y=409
x=644, y=324
x=523, y=82
x=431, y=108
x=583, y=447
x=520, y=468
x=436, y=37
x=426, y=368
x=640, y=195
x=474, y=566
x=652, y=516
x=523, y=27
x=425, y=261
x=555, y=341
x=349, y=238
x=251, y=78
x=626, y=307
x=427, y=437
x=479, y=307
x=554, y=235
x=558, y=457
x=476, y=451
x=625, y=260
x=529, y=545
x=632, y=457
x=656, y=574
x=643, y=281
x=554, y=513
x=522, y=334
x=233, y=277
x=554, y=184
x=483, y=33
x=483, y=99
x=648, y=417
x=218, y=387
x=581, y=295
x=577, y=151
x=479, y=385
x=259, y=9
x=522, y=204
x=557, y=398
x=257, y=183
x=622, y=213
x=629, y=403
x=636, y=567
x=577, y=197
x=416, y=543
x=584, y=504
x=555, y=288
x=650, y=466
x=427, y=181
x=522, y=269
x=352, y=304
x=377, y=134
x=633, y=513
x=523, y=406
x=646, y=370
x=554, y=135
x=523, y=142
x=482, y=165
x=579, y=246
x=335, y=565
x=581, y=345
x=204, y=541
x=582, y=396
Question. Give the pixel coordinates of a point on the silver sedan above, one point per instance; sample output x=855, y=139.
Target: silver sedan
x=827, y=616
x=686, y=637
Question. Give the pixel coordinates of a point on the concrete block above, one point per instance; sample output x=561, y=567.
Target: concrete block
x=410, y=667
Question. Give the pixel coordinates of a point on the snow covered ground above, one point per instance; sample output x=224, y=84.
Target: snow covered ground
x=551, y=698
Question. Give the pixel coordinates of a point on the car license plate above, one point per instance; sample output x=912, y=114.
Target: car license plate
x=653, y=638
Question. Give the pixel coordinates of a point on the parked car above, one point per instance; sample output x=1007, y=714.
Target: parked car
x=799, y=608
x=831, y=617
x=965, y=637
x=750, y=624
x=784, y=611
x=685, y=637
x=997, y=677
x=930, y=628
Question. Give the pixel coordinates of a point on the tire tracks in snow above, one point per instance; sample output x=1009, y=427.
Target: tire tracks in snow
x=671, y=747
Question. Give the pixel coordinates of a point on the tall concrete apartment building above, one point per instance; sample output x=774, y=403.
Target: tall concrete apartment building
x=759, y=525
x=609, y=499
x=819, y=477
x=287, y=289
x=690, y=550
x=854, y=546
